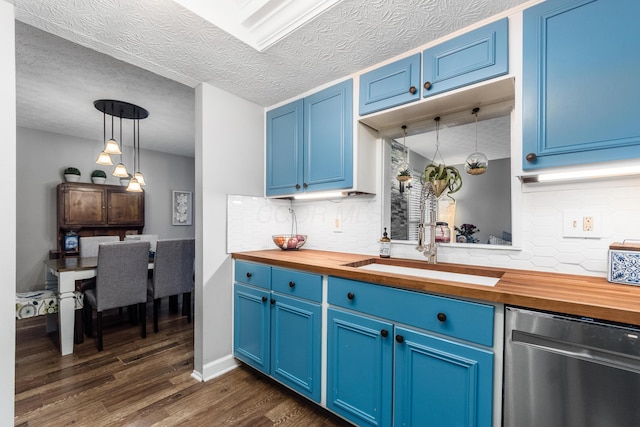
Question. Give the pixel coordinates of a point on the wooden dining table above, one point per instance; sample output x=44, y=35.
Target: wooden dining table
x=67, y=270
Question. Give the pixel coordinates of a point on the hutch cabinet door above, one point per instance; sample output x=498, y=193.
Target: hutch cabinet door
x=439, y=382
x=359, y=368
x=328, y=138
x=478, y=55
x=251, y=325
x=391, y=85
x=284, y=149
x=296, y=333
x=82, y=205
x=580, y=82
x=125, y=208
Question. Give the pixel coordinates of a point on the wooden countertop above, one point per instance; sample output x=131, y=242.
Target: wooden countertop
x=587, y=296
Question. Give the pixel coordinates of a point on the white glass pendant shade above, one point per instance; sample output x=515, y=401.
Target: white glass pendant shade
x=104, y=159
x=134, y=186
x=140, y=178
x=476, y=163
x=120, y=171
x=112, y=147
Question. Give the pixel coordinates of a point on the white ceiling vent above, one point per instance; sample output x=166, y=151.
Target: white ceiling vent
x=258, y=23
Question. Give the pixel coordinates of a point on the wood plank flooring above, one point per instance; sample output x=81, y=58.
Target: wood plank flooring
x=143, y=382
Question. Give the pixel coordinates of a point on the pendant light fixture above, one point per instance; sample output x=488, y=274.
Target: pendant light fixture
x=134, y=184
x=104, y=158
x=111, y=146
x=122, y=110
x=477, y=162
x=404, y=171
x=120, y=170
x=138, y=175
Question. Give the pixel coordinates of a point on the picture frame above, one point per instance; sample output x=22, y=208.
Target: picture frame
x=182, y=207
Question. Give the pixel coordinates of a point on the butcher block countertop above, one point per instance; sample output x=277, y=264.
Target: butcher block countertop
x=586, y=296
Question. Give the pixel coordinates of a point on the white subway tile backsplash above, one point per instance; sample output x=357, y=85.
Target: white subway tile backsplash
x=252, y=221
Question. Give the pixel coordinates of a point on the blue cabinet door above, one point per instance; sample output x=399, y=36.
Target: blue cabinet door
x=251, y=326
x=328, y=138
x=284, y=149
x=580, y=82
x=391, y=85
x=296, y=333
x=359, y=368
x=438, y=382
x=478, y=55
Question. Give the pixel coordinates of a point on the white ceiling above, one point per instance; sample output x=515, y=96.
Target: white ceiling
x=154, y=52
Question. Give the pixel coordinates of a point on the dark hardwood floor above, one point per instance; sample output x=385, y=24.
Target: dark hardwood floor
x=143, y=382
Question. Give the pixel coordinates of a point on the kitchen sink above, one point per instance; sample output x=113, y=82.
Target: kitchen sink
x=422, y=269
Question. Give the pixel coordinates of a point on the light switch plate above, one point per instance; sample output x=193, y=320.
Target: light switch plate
x=585, y=224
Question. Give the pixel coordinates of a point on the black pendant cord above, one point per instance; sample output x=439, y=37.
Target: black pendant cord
x=121, y=143
x=104, y=130
x=138, y=170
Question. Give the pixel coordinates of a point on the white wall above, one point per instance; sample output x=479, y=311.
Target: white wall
x=41, y=158
x=229, y=160
x=8, y=213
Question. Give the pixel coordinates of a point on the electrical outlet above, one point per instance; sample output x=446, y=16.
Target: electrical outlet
x=337, y=224
x=582, y=224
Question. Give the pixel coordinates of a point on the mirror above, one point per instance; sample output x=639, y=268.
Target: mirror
x=483, y=201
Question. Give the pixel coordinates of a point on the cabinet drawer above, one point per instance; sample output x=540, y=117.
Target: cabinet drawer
x=465, y=320
x=297, y=283
x=253, y=274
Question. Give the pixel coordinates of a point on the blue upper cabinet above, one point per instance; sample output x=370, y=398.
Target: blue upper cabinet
x=391, y=85
x=310, y=143
x=328, y=138
x=478, y=55
x=580, y=82
x=284, y=148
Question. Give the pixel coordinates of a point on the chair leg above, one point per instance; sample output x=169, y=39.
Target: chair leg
x=142, y=308
x=186, y=306
x=156, y=310
x=173, y=304
x=133, y=314
x=78, y=332
x=88, y=319
x=99, y=322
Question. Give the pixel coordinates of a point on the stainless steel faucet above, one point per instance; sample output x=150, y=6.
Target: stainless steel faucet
x=430, y=250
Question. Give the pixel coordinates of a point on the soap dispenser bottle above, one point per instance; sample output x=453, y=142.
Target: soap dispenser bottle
x=385, y=245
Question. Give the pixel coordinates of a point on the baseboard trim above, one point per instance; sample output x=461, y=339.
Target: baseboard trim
x=216, y=368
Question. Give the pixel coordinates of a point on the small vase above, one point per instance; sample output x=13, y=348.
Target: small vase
x=70, y=177
x=98, y=180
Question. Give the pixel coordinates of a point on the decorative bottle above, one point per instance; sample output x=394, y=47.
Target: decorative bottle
x=385, y=245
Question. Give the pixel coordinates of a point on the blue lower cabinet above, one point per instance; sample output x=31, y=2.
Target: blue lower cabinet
x=439, y=382
x=296, y=333
x=251, y=326
x=359, y=368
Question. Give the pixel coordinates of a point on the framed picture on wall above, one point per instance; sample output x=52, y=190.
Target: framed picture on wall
x=182, y=207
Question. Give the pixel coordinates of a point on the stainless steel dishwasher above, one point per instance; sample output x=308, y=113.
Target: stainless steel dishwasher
x=563, y=371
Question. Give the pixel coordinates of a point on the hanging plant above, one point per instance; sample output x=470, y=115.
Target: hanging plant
x=442, y=177
x=404, y=175
x=474, y=167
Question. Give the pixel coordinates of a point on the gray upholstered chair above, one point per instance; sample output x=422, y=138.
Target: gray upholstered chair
x=172, y=274
x=89, y=245
x=121, y=281
x=151, y=238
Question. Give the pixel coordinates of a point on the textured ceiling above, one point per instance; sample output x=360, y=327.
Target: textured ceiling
x=167, y=40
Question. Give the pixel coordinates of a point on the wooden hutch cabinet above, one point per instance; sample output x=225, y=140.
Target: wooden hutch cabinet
x=98, y=210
